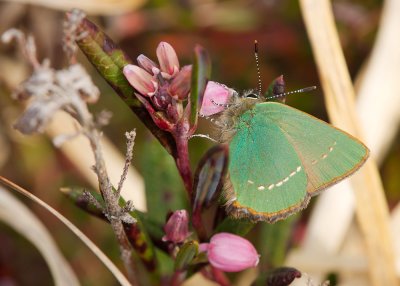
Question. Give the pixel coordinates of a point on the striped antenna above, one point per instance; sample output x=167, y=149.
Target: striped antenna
x=306, y=89
x=258, y=67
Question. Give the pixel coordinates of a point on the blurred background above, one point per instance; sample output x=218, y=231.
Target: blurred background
x=227, y=29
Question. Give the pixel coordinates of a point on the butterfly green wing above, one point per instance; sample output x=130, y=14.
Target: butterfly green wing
x=280, y=156
x=327, y=153
x=266, y=175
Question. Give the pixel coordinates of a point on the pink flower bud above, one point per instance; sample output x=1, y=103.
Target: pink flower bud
x=215, y=95
x=168, y=60
x=147, y=64
x=230, y=253
x=180, y=85
x=141, y=80
x=176, y=229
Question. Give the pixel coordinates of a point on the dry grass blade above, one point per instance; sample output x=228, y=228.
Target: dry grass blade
x=103, y=258
x=378, y=93
x=371, y=207
x=378, y=86
x=20, y=218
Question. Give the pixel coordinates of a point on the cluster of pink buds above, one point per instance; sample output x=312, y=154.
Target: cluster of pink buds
x=164, y=85
x=225, y=251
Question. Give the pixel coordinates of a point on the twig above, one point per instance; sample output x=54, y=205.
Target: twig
x=113, y=210
x=70, y=90
x=130, y=142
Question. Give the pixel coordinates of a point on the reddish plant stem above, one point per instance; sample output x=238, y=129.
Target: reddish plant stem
x=220, y=277
x=182, y=156
x=216, y=275
x=181, y=135
x=178, y=278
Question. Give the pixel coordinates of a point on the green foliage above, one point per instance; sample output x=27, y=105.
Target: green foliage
x=274, y=241
x=164, y=188
x=200, y=74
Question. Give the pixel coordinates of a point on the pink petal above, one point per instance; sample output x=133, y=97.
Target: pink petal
x=218, y=93
x=203, y=247
x=168, y=60
x=141, y=80
x=231, y=253
x=146, y=63
x=180, y=85
x=177, y=227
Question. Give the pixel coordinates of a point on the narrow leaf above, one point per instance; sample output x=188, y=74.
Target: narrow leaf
x=209, y=176
x=200, y=75
x=109, y=61
x=186, y=253
x=236, y=226
x=274, y=240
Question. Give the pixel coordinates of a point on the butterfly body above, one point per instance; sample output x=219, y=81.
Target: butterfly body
x=280, y=157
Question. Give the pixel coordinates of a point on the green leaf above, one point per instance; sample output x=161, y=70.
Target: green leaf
x=109, y=61
x=274, y=240
x=236, y=226
x=186, y=253
x=209, y=176
x=164, y=188
x=200, y=74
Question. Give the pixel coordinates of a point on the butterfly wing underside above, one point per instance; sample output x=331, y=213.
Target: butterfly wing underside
x=327, y=153
x=281, y=156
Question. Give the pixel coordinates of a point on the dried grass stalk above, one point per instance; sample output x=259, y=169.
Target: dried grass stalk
x=371, y=207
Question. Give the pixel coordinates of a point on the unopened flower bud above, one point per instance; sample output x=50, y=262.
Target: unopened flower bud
x=168, y=60
x=177, y=227
x=230, y=253
x=180, y=85
x=146, y=63
x=141, y=80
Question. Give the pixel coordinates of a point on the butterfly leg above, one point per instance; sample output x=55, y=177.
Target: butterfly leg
x=204, y=136
x=213, y=120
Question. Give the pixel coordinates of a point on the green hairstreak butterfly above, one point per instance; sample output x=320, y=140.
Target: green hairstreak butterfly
x=279, y=157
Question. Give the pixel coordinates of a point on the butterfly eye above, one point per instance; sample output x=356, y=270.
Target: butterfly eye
x=251, y=95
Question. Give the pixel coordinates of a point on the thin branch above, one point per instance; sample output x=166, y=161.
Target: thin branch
x=71, y=89
x=113, y=210
x=130, y=142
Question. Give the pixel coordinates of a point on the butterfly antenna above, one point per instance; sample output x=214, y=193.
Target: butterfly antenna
x=306, y=89
x=258, y=67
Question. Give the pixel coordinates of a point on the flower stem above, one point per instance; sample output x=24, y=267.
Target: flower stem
x=182, y=157
x=216, y=275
